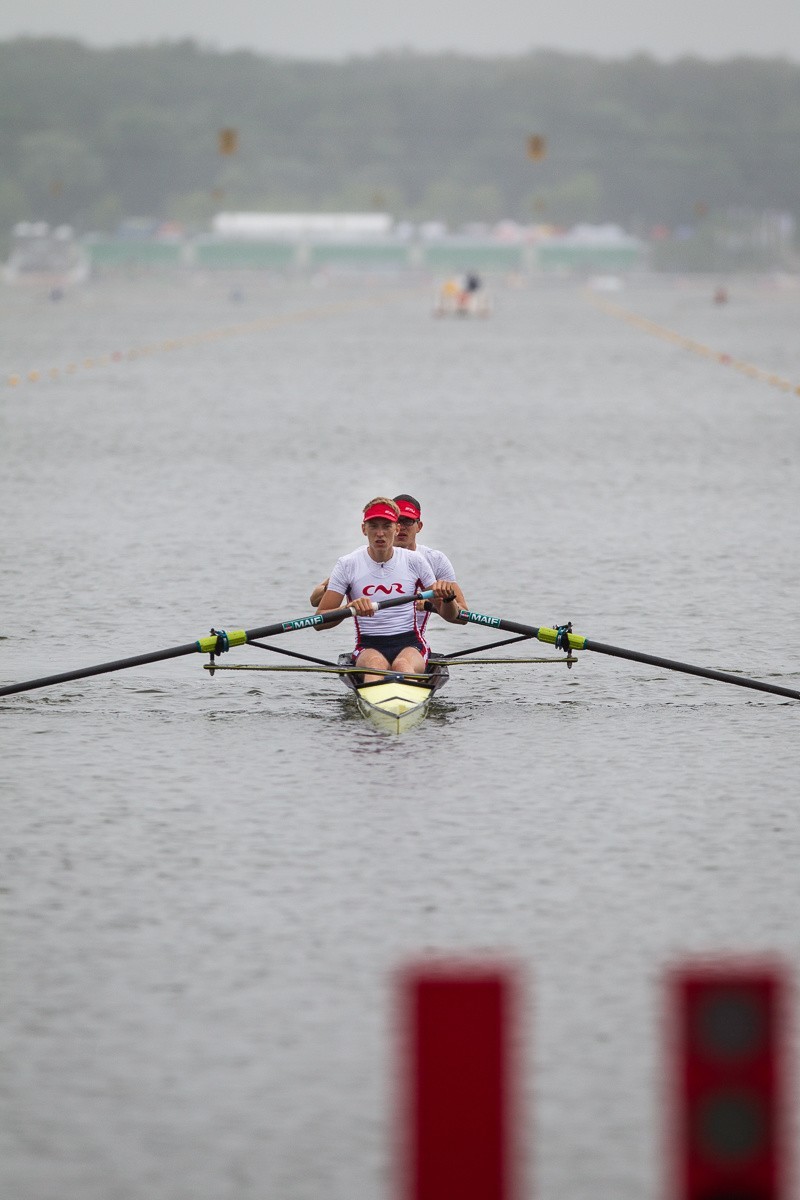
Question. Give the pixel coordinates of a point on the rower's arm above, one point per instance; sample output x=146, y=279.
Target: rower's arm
x=329, y=601
x=318, y=592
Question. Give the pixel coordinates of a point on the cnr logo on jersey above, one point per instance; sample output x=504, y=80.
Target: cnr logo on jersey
x=372, y=588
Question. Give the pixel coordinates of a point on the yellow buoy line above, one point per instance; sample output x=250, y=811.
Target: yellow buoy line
x=181, y=343
x=687, y=343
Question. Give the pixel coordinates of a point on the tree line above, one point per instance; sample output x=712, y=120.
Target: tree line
x=94, y=136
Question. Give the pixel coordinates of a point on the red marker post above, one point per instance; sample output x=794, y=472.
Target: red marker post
x=729, y=1091
x=459, y=1109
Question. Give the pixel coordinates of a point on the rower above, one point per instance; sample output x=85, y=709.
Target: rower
x=448, y=297
x=470, y=285
x=393, y=638
x=409, y=524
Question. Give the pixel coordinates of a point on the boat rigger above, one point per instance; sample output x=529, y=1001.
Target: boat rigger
x=398, y=702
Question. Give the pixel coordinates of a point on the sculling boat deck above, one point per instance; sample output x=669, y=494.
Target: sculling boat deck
x=397, y=702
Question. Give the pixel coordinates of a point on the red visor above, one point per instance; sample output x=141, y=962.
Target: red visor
x=408, y=510
x=380, y=512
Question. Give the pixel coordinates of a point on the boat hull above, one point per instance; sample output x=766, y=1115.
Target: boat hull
x=397, y=704
x=394, y=706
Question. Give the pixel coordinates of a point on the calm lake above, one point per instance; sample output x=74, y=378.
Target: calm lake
x=209, y=884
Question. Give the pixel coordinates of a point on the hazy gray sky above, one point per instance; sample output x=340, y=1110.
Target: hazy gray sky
x=712, y=29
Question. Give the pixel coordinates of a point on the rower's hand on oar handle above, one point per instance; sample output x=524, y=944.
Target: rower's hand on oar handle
x=448, y=600
x=443, y=590
x=363, y=607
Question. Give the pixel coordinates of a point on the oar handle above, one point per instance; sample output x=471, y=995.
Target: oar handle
x=326, y=618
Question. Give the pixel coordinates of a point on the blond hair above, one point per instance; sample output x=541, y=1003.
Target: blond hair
x=382, y=500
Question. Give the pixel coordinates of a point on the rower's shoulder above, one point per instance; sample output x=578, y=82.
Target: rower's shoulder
x=437, y=559
x=351, y=559
x=359, y=552
x=412, y=556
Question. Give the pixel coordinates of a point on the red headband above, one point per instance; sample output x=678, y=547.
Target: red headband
x=407, y=509
x=380, y=512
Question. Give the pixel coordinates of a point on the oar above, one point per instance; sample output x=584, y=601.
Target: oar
x=564, y=639
x=216, y=643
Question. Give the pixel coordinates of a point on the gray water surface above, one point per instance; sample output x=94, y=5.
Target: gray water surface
x=209, y=884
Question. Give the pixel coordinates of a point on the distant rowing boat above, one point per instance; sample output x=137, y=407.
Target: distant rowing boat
x=457, y=298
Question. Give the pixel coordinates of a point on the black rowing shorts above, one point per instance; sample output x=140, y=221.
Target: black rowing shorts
x=390, y=647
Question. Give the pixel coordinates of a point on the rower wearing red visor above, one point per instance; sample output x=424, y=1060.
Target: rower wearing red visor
x=409, y=525
x=392, y=638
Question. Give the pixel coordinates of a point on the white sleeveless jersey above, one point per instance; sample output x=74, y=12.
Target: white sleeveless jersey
x=406, y=572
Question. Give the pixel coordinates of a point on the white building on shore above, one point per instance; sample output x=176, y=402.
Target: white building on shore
x=302, y=226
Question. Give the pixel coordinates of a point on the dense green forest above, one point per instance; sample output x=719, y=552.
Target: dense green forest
x=92, y=137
